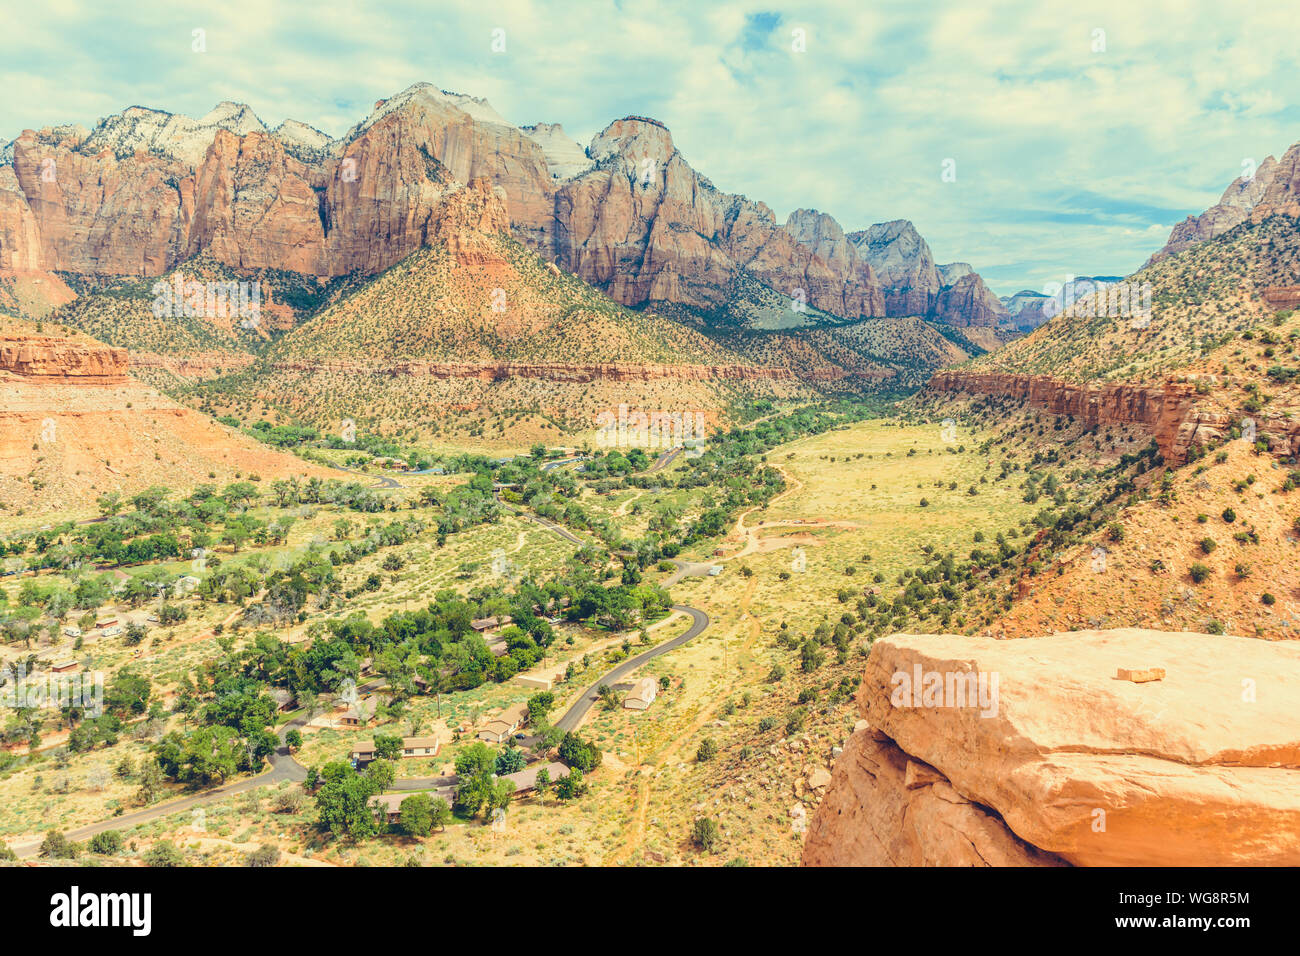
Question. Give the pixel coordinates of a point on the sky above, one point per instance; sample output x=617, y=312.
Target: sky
x=1035, y=140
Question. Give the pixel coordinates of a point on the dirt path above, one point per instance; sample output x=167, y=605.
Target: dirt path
x=649, y=770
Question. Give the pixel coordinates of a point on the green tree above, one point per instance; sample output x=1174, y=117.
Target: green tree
x=704, y=833
x=417, y=814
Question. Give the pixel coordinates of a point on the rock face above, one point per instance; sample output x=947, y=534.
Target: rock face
x=1166, y=412
x=968, y=302
x=645, y=227
x=953, y=293
x=1274, y=188
x=551, y=371
x=1060, y=760
x=49, y=359
x=147, y=189
x=903, y=261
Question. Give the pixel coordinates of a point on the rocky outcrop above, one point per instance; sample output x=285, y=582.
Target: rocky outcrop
x=644, y=227
x=1027, y=752
x=1166, y=412
x=147, y=189
x=49, y=359
x=1273, y=189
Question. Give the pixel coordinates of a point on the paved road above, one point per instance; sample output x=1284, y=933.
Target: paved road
x=573, y=716
x=664, y=460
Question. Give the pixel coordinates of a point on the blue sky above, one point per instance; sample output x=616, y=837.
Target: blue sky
x=1075, y=150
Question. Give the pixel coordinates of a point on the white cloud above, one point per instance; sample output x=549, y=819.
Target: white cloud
x=1129, y=139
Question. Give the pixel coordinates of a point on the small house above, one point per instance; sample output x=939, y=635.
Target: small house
x=389, y=804
x=421, y=746
x=350, y=718
x=186, y=585
x=67, y=664
x=284, y=699
x=363, y=752
x=525, y=780
x=642, y=694
x=108, y=620
x=504, y=724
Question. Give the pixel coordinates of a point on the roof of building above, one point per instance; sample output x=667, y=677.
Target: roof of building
x=644, y=689
x=391, y=802
x=409, y=743
x=526, y=779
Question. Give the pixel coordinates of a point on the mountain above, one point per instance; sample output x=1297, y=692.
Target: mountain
x=914, y=285
x=1274, y=187
x=1029, y=309
x=146, y=190
x=468, y=326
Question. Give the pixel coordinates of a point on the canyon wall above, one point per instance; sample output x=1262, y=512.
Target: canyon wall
x=55, y=359
x=1166, y=412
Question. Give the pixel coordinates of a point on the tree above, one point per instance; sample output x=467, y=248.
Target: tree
x=579, y=754
x=164, y=853
x=539, y=708
x=388, y=746
x=543, y=782
x=343, y=802
x=441, y=813
x=56, y=846
x=570, y=787
x=510, y=760
x=417, y=814
x=108, y=843
x=475, y=759
x=293, y=739
x=704, y=833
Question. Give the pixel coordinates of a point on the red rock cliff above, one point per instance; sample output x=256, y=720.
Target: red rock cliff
x=1167, y=412
x=63, y=360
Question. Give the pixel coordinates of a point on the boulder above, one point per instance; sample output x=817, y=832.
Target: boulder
x=1200, y=768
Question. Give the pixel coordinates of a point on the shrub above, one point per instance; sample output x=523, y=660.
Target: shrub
x=1208, y=545
x=1199, y=572
x=704, y=833
x=707, y=751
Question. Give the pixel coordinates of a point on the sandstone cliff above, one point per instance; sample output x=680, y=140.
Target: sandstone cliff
x=1166, y=412
x=1273, y=188
x=146, y=190
x=1064, y=761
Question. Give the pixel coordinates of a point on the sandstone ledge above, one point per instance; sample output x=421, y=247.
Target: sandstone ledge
x=1201, y=768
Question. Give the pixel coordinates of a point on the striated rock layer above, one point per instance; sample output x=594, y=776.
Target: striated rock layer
x=1064, y=760
x=550, y=371
x=1167, y=411
x=56, y=359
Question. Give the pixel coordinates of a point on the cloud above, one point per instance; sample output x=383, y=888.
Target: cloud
x=1080, y=134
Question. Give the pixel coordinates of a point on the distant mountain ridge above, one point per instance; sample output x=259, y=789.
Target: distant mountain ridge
x=147, y=189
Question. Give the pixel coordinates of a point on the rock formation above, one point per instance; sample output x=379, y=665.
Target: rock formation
x=1273, y=188
x=1032, y=752
x=968, y=302
x=48, y=359
x=903, y=261
x=147, y=189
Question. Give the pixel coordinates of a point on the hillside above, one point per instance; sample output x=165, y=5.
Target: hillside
x=75, y=425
